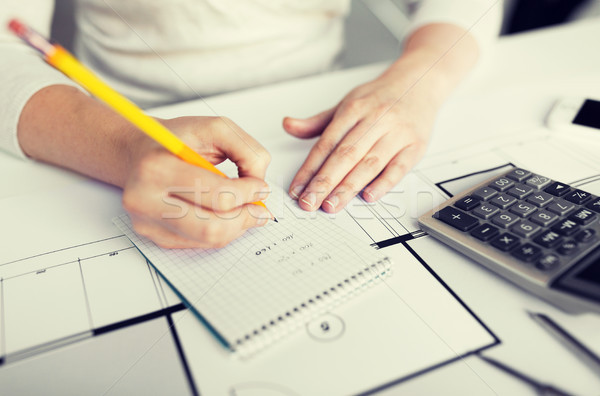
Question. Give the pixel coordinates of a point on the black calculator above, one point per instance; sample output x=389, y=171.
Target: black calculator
x=540, y=233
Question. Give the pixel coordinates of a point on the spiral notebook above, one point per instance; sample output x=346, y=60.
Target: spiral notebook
x=270, y=281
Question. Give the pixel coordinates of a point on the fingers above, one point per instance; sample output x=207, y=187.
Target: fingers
x=376, y=156
x=367, y=169
x=220, y=194
x=326, y=167
x=251, y=158
x=179, y=205
x=309, y=127
x=323, y=148
x=215, y=230
x=395, y=170
x=196, y=227
x=196, y=185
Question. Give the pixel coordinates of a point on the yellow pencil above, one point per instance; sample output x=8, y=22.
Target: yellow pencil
x=62, y=60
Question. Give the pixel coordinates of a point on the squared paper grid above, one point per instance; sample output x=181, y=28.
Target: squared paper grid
x=242, y=293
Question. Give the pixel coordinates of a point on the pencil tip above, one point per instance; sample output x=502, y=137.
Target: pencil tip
x=275, y=220
x=535, y=315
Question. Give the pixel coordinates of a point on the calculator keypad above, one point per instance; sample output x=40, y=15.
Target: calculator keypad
x=505, y=220
x=560, y=207
x=540, y=222
x=506, y=242
x=578, y=197
x=540, y=199
x=503, y=201
x=525, y=228
x=485, y=232
x=456, y=218
x=583, y=216
x=558, y=189
x=502, y=184
x=594, y=205
x=538, y=182
x=523, y=209
x=486, y=211
x=527, y=252
x=518, y=174
x=467, y=203
x=544, y=218
x=520, y=191
x=484, y=193
x=586, y=235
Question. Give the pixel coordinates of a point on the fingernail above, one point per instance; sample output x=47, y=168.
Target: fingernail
x=262, y=221
x=332, y=201
x=372, y=195
x=309, y=199
x=263, y=193
x=296, y=191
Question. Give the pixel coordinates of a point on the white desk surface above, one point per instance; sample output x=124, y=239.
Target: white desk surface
x=510, y=92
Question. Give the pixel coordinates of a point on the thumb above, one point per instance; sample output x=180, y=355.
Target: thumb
x=308, y=127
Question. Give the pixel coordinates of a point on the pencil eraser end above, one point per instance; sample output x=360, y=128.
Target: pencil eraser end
x=17, y=27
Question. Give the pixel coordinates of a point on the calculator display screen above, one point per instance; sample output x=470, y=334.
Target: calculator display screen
x=591, y=273
x=583, y=278
x=589, y=114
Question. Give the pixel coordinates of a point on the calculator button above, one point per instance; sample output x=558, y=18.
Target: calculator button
x=456, y=218
x=543, y=218
x=523, y=209
x=503, y=201
x=505, y=242
x=538, y=182
x=558, y=189
x=527, y=252
x=560, y=207
x=505, y=219
x=540, y=198
x=578, y=197
x=583, y=216
x=547, y=262
x=594, y=205
x=485, y=211
x=502, y=184
x=484, y=193
x=518, y=174
x=520, y=191
x=467, y=203
x=566, y=227
x=567, y=248
x=525, y=229
x=585, y=236
x=548, y=239
x=485, y=232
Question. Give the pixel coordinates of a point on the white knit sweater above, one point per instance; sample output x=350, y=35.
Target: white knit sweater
x=159, y=51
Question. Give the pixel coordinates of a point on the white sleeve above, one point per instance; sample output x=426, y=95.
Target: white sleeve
x=481, y=18
x=22, y=70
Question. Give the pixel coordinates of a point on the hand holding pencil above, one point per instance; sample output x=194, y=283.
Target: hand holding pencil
x=177, y=202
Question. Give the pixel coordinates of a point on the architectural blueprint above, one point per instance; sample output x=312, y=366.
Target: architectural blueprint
x=86, y=285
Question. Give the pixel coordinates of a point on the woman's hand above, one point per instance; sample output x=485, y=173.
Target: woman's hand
x=372, y=138
x=179, y=205
x=170, y=201
x=380, y=130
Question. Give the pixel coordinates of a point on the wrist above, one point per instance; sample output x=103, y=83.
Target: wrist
x=416, y=74
x=436, y=57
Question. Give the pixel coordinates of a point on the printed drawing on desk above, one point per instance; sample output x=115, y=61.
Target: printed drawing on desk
x=270, y=281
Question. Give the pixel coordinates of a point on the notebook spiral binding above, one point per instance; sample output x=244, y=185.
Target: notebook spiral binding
x=290, y=320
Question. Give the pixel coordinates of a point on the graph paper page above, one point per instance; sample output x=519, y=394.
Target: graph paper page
x=270, y=280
